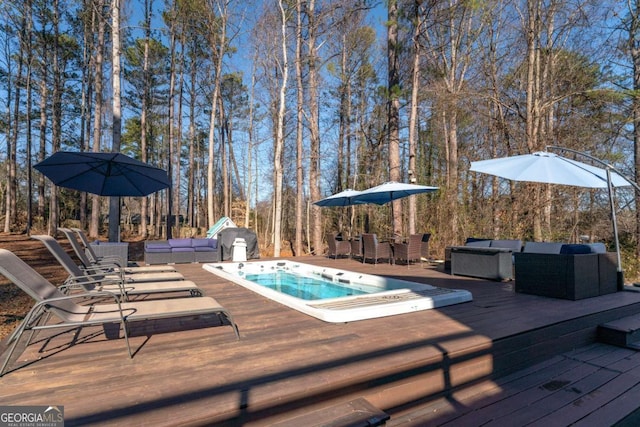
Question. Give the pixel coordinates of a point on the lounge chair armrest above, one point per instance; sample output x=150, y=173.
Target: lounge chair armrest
x=98, y=270
x=108, y=264
x=94, y=279
x=84, y=296
x=111, y=259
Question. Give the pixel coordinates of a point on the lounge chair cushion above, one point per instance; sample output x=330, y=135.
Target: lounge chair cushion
x=204, y=245
x=157, y=247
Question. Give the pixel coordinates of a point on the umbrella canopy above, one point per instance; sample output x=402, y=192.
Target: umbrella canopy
x=343, y=198
x=548, y=168
x=105, y=174
x=385, y=193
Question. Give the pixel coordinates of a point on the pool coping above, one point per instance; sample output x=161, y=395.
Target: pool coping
x=414, y=297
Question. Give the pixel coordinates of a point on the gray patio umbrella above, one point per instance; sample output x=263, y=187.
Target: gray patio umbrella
x=549, y=168
x=104, y=174
x=343, y=198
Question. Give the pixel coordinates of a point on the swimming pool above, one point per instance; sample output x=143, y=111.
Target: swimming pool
x=334, y=295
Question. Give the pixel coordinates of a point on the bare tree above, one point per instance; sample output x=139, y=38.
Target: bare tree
x=218, y=44
x=634, y=48
x=297, y=247
x=393, y=109
x=279, y=142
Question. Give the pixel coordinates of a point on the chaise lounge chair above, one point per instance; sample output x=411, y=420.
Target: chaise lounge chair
x=51, y=301
x=88, y=257
x=110, y=271
x=112, y=282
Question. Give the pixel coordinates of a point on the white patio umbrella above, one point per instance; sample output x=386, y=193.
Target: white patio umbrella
x=549, y=168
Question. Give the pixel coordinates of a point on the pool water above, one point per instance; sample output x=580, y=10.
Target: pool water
x=306, y=288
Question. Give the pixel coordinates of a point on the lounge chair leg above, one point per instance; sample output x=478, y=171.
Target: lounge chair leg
x=233, y=324
x=126, y=337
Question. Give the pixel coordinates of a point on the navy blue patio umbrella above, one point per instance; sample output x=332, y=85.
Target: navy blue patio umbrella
x=104, y=174
x=343, y=198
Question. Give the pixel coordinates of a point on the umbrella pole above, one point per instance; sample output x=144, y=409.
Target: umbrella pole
x=615, y=231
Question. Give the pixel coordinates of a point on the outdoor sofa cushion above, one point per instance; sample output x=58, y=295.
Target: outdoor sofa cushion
x=181, y=250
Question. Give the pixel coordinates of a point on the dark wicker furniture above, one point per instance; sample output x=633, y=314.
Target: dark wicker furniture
x=375, y=250
x=571, y=276
x=338, y=247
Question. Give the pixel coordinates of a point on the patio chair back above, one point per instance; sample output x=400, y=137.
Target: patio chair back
x=77, y=247
x=39, y=288
x=375, y=250
x=410, y=251
x=88, y=250
x=337, y=247
x=65, y=260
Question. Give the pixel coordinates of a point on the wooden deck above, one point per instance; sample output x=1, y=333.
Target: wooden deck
x=468, y=364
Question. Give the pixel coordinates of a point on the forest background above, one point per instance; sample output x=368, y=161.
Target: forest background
x=257, y=109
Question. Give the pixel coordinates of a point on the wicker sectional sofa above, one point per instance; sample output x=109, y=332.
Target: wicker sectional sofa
x=486, y=259
x=565, y=271
x=177, y=251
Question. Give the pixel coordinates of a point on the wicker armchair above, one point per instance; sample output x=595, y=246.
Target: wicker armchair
x=338, y=247
x=410, y=251
x=375, y=250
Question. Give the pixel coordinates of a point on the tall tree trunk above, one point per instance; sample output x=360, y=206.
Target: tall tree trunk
x=144, y=203
x=533, y=101
x=12, y=141
x=413, y=115
x=99, y=106
x=191, y=214
x=114, y=202
x=224, y=172
x=279, y=142
x=314, y=129
x=393, y=118
x=56, y=122
x=28, y=88
x=170, y=159
x=42, y=130
x=297, y=247
x=634, y=45
x=247, y=205
x=218, y=42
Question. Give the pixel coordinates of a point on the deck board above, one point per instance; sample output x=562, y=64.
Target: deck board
x=287, y=362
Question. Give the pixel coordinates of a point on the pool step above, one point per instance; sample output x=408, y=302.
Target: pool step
x=624, y=332
x=354, y=413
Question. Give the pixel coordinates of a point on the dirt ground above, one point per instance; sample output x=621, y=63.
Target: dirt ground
x=14, y=302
